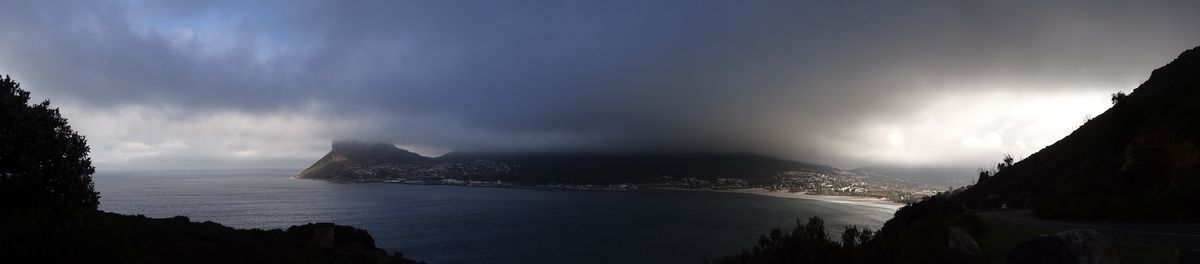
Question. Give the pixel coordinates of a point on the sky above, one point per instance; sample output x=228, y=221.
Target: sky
x=243, y=84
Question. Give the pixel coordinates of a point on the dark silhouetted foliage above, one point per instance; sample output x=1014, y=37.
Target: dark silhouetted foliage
x=112, y=238
x=919, y=233
x=850, y=237
x=1007, y=162
x=1117, y=97
x=806, y=243
x=44, y=165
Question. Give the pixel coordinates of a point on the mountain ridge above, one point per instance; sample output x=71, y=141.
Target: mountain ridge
x=348, y=153
x=584, y=167
x=1139, y=160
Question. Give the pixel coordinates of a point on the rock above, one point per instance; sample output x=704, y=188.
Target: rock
x=963, y=246
x=1072, y=246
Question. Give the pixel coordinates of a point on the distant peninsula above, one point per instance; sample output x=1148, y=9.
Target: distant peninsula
x=358, y=161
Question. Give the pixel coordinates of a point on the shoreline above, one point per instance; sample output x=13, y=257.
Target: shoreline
x=840, y=199
x=854, y=200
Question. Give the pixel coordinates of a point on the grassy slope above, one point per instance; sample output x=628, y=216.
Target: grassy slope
x=324, y=168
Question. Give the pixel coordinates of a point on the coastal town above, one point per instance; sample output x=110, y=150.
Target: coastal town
x=487, y=173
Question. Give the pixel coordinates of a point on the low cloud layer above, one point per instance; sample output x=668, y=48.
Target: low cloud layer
x=271, y=83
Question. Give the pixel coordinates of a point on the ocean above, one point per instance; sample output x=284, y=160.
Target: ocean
x=454, y=224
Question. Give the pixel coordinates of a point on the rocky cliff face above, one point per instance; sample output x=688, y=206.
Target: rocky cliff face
x=1140, y=160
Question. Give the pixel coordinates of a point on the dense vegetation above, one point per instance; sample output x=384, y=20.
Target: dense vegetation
x=923, y=232
x=806, y=243
x=49, y=209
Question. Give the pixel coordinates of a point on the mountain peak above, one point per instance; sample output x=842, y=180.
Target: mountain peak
x=350, y=154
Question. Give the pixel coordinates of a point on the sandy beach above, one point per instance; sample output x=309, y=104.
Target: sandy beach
x=856, y=200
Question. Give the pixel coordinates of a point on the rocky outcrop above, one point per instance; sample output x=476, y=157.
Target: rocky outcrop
x=1082, y=246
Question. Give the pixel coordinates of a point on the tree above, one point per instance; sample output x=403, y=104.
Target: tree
x=1117, y=97
x=815, y=229
x=865, y=236
x=44, y=165
x=984, y=175
x=806, y=243
x=850, y=236
x=1008, y=162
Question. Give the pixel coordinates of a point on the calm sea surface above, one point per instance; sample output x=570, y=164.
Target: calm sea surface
x=449, y=224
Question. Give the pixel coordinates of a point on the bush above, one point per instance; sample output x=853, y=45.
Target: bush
x=806, y=243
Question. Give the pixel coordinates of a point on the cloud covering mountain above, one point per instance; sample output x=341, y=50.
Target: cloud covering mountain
x=253, y=83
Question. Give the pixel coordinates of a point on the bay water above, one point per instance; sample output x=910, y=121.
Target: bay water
x=454, y=224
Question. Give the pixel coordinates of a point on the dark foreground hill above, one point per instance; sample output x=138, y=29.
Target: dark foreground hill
x=353, y=161
x=100, y=237
x=48, y=209
x=1140, y=160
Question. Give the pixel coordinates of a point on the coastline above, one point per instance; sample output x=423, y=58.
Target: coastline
x=855, y=200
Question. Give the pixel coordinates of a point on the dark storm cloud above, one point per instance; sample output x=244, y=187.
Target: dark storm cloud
x=770, y=76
